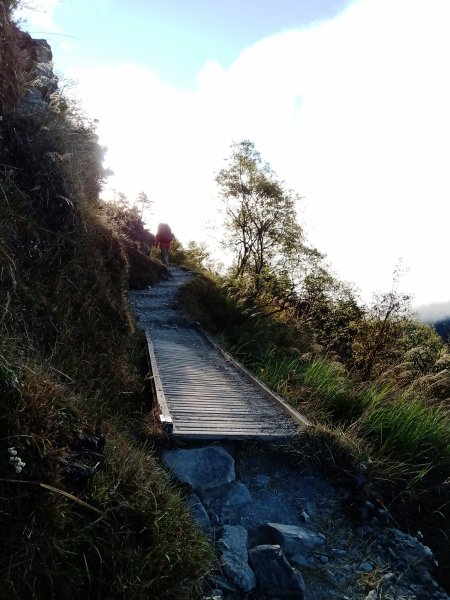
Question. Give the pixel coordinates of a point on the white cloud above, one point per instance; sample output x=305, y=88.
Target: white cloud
x=39, y=15
x=431, y=313
x=352, y=112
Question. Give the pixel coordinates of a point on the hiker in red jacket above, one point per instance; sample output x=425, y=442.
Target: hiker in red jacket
x=163, y=239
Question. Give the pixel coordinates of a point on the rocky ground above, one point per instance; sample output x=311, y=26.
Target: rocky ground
x=282, y=533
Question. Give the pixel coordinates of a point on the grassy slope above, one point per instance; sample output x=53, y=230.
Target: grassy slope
x=390, y=431
x=91, y=514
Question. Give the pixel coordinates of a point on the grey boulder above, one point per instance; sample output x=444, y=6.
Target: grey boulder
x=293, y=539
x=233, y=545
x=275, y=576
x=198, y=511
x=201, y=468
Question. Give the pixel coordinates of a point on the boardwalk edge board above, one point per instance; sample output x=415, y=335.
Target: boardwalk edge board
x=164, y=416
x=295, y=415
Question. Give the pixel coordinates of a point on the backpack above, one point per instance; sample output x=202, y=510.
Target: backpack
x=164, y=232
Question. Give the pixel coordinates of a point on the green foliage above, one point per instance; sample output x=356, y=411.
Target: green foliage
x=329, y=309
x=376, y=344
x=137, y=242
x=204, y=299
x=136, y=546
x=405, y=427
x=398, y=425
x=260, y=219
x=275, y=369
x=194, y=256
x=8, y=377
x=144, y=201
x=212, y=302
x=333, y=393
x=334, y=451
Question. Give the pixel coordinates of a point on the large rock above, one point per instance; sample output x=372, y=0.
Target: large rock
x=233, y=545
x=198, y=511
x=43, y=52
x=201, y=468
x=229, y=495
x=410, y=550
x=293, y=539
x=274, y=574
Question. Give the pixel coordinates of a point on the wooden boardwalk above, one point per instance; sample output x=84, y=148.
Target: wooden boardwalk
x=203, y=392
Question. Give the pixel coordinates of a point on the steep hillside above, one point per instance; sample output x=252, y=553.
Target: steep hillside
x=84, y=507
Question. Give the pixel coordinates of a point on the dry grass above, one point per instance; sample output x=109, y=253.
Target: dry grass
x=90, y=514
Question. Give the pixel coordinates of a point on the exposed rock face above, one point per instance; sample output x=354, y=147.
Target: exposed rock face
x=41, y=80
x=42, y=51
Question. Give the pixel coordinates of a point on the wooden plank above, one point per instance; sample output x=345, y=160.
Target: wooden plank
x=295, y=415
x=205, y=395
x=165, y=418
x=227, y=434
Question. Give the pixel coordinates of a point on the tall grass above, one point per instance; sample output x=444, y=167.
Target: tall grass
x=399, y=438
x=333, y=392
x=77, y=521
x=399, y=423
x=406, y=427
x=275, y=370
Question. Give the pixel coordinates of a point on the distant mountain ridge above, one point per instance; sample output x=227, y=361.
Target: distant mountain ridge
x=436, y=314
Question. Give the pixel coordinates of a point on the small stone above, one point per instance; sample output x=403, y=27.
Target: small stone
x=331, y=576
x=365, y=567
x=338, y=553
x=233, y=545
x=324, y=559
x=304, y=515
x=365, y=531
x=201, y=468
x=393, y=554
x=311, y=508
x=215, y=594
x=224, y=584
x=293, y=538
x=298, y=560
x=262, y=480
x=214, y=519
x=383, y=516
x=276, y=578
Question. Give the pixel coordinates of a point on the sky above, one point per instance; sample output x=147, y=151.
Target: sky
x=348, y=100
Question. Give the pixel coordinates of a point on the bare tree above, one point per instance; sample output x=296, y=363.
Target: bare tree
x=144, y=202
